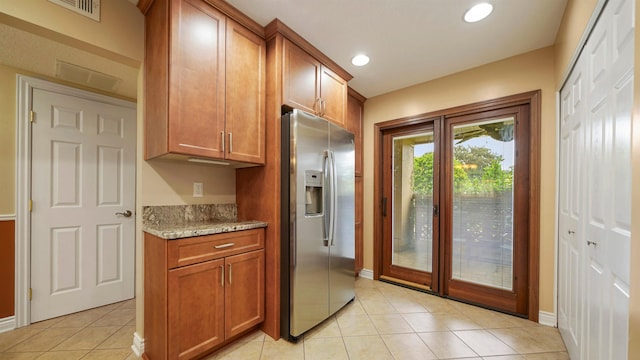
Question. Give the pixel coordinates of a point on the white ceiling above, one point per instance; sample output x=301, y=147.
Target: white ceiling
x=412, y=41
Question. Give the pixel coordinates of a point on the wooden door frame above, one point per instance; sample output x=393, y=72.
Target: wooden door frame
x=532, y=99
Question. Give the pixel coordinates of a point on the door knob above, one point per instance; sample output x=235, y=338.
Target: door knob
x=126, y=213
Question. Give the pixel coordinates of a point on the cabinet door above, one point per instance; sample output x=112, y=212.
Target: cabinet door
x=333, y=91
x=197, y=79
x=245, y=94
x=244, y=296
x=300, y=79
x=195, y=309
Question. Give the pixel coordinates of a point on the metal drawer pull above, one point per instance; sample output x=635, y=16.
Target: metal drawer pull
x=224, y=245
x=222, y=275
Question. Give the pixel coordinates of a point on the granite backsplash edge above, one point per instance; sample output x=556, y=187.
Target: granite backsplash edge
x=183, y=215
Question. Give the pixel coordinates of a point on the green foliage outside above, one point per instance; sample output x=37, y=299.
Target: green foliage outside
x=476, y=171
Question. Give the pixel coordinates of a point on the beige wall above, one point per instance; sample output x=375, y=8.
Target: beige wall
x=7, y=140
x=119, y=35
x=574, y=22
x=526, y=72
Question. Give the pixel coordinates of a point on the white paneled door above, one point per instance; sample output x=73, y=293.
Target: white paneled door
x=595, y=190
x=83, y=193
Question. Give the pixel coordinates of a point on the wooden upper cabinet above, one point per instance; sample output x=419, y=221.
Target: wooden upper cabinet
x=310, y=86
x=333, y=90
x=300, y=79
x=245, y=94
x=204, y=83
x=197, y=79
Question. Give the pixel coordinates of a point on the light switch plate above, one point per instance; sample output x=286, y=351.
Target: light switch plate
x=198, y=189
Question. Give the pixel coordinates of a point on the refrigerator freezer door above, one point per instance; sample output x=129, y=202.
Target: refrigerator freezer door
x=342, y=250
x=309, y=274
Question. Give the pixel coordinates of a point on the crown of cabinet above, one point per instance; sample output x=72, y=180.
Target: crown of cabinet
x=200, y=100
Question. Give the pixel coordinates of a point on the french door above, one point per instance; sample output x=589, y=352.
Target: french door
x=455, y=200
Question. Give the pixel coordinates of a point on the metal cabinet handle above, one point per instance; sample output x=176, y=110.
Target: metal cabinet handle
x=224, y=246
x=324, y=107
x=222, y=139
x=589, y=243
x=222, y=275
x=229, y=274
x=126, y=213
x=230, y=143
x=317, y=106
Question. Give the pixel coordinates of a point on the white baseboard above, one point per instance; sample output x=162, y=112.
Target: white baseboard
x=547, y=318
x=138, y=345
x=7, y=324
x=367, y=274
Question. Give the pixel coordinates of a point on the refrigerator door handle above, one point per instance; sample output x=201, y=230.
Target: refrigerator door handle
x=334, y=198
x=326, y=226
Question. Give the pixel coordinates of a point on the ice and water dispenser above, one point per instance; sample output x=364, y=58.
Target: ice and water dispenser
x=313, y=192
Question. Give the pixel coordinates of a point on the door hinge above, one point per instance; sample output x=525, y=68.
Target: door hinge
x=384, y=206
x=30, y=205
x=436, y=210
x=30, y=294
x=32, y=115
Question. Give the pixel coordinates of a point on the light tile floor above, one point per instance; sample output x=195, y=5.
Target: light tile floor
x=101, y=333
x=384, y=322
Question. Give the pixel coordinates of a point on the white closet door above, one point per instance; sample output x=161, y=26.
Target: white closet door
x=593, y=291
x=572, y=185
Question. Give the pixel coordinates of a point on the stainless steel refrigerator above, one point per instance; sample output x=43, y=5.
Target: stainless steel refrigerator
x=318, y=211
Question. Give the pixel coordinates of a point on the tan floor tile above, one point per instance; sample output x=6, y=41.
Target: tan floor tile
x=456, y=321
x=111, y=354
x=391, y=324
x=87, y=338
x=328, y=328
x=121, y=339
x=367, y=348
x=356, y=325
x=44, y=340
x=44, y=324
x=118, y=317
x=446, y=345
x=257, y=335
x=13, y=337
x=406, y=304
x=239, y=350
x=282, y=350
x=548, y=356
x=484, y=343
x=132, y=356
x=408, y=347
x=20, y=356
x=504, y=357
x=81, y=319
x=63, y=355
x=128, y=304
x=325, y=348
x=378, y=306
x=425, y=322
x=353, y=308
x=531, y=339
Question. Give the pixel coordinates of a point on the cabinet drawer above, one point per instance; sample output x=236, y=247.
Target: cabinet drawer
x=202, y=248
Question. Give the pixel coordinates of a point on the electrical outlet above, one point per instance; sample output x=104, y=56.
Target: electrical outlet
x=198, y=189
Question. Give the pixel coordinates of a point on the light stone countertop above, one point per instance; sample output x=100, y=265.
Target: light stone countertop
x=171, y=232
x=182, y=221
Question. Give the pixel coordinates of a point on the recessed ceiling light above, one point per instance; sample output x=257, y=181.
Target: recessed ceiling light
x=360, y=60
x=478, y=12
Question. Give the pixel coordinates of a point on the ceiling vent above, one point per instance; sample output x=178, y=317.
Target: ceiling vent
x=88, y=8
x=86, y=77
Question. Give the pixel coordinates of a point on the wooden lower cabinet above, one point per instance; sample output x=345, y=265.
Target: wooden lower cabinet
x=193, y=309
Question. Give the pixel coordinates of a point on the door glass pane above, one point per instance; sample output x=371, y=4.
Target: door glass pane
x=483, y=164
x=413, y=201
